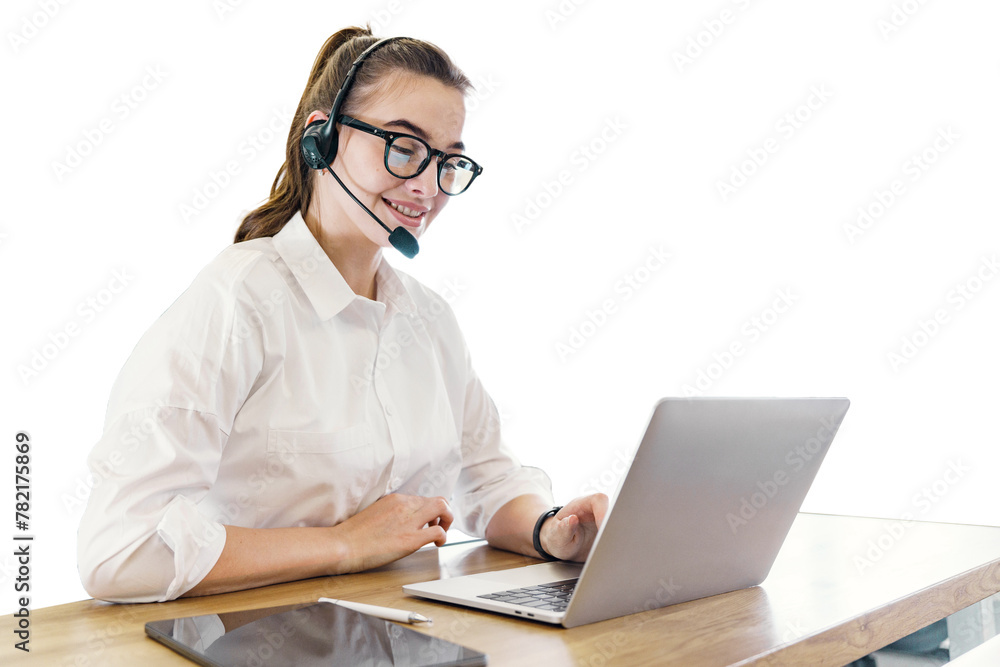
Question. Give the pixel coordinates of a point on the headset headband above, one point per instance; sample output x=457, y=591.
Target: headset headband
x=349, y=79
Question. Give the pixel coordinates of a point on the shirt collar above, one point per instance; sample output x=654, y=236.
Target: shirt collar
x=391, y=291
x=326, y=289
x=319, y=278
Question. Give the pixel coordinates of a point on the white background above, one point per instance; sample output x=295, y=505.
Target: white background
x=662, y=134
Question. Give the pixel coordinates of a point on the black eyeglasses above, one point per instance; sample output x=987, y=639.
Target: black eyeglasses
x=407, y=156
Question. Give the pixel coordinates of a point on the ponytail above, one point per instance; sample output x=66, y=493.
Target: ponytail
x=291, y=190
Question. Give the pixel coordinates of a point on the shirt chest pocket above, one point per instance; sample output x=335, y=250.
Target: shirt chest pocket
x=314, y=479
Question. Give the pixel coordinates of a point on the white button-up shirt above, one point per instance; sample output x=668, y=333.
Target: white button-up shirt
x=269, y=394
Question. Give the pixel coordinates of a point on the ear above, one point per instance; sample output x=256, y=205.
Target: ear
x=316, y=115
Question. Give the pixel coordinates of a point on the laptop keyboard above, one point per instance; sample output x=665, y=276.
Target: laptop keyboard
x=550, y=597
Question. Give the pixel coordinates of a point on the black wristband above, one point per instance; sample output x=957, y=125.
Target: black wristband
x=536, y=537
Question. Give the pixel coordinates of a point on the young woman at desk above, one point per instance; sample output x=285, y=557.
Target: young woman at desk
x=304, y=409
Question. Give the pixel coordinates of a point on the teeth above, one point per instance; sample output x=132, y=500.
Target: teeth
x=405, y=211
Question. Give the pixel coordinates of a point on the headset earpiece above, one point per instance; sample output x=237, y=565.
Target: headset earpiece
x=318, y=146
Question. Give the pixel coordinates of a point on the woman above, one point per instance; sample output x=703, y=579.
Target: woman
x=304, y=409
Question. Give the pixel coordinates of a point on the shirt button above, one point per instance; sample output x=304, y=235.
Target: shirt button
x=388, y=410
x=397, y=482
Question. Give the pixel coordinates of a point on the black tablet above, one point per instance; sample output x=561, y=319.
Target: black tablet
x=305, y=635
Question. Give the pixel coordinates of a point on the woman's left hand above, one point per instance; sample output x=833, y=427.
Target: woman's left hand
x=570, y=534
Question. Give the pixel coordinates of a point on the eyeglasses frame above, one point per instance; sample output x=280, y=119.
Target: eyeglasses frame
x=389, y=137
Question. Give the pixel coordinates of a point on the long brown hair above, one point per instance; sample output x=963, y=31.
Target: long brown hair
x=292, y=187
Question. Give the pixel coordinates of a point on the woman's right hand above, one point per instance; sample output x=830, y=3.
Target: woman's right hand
x=392, y=527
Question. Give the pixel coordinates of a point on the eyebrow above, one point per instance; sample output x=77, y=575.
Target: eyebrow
x=415, y=129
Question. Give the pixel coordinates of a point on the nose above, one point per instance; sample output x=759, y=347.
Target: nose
x=425, y=184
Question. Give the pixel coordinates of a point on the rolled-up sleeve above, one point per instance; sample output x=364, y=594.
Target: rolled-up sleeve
x=142, y=537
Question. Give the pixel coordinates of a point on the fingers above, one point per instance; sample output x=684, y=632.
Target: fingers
x=590, y=509
x=434, y=532
x=435, y=512
x=600, y=505
x=432, y=518
x=437, y=535
x=443, y=520
x=439, y=518
x=445, y=517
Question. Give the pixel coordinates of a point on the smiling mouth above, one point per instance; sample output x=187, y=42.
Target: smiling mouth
x=408, y=212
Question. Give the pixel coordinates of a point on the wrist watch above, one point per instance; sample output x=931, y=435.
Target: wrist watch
x=536, y=537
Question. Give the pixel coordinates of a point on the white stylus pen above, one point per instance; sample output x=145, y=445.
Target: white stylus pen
x=397, y=615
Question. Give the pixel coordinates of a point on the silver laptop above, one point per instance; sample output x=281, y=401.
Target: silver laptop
x=710, y=495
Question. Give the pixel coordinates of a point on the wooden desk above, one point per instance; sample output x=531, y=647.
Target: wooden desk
x=841, y=587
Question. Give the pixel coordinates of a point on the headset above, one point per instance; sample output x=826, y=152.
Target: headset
x=319, y=148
